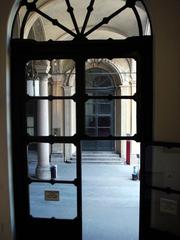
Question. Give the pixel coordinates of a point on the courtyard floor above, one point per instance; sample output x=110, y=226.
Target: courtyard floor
x=110, y=200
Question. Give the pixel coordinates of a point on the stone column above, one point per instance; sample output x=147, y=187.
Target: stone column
x=133, y=91
x=43, y=165
x=57, y=112
x=117, y=105
x=30, y=88
x=67, y=122
x=33, y=87
x=133, y=110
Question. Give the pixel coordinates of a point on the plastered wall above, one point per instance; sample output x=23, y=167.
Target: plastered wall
x=6, y=197
x=166, y=50
x=165, y=22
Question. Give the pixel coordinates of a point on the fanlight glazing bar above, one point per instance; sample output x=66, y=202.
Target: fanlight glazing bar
x=138, y=20
x=24, y=24
x=55, y=22
x=89, y=10
x=71, y=12
x=31, y=7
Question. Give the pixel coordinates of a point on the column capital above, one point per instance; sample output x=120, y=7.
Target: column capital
x=42, y=67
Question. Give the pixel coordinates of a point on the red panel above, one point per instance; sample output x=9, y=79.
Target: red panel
x=128, y=150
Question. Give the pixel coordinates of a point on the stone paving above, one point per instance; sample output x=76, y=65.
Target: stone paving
x=110, y=203
x=110, y=200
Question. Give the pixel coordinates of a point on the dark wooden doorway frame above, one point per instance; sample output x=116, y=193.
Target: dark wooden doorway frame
x=139, y=48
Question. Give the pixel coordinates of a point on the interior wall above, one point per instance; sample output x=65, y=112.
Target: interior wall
x=6, y=197
x=166, y=32
x=165, y=20
x=166, y=49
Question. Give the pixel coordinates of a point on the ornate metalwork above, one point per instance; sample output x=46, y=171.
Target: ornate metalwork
x=89, y=10
x=31, y=6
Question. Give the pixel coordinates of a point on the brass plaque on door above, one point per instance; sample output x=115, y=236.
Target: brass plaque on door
x=51, y=195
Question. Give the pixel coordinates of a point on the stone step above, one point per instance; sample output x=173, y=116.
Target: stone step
x=119, y=161
x=98, y=154
x=104, y=162
x=99, y=157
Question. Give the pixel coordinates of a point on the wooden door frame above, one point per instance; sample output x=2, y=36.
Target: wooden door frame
x=22, y=51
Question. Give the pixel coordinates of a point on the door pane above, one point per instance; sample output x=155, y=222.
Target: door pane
x=118, y=117
x=35, y=84
x=104, y=132
x=104, y=108
x=90, y=107
x=115, y=78
x=91, y=132
x=101, y=118
x=56, y=117
x=104, y=121
x=90, y=121
x=59, y=155
x=58, y=200
x=162, y=177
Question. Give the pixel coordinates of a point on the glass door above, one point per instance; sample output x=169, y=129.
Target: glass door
x=99, y=112
x=47, y=188
x=48, y=194
x=99, y=122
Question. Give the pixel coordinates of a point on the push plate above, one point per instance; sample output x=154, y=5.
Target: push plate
x=51, y=195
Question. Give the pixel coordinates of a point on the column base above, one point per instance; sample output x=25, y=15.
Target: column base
x=43, y=172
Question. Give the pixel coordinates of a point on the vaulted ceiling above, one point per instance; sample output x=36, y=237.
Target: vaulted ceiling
x=121, y=26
